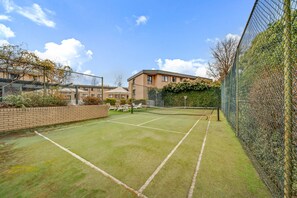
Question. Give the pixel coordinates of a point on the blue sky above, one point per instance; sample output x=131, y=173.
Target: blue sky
x=120, y=37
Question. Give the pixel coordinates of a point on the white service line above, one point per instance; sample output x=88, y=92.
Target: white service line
x=148, y=181
x=122, y=117
x=139, y=194
x=150, y=121
x=191, y=190
x=91, y=123
x=158, y=129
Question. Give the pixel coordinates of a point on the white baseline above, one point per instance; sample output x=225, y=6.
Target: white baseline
x=94, y=167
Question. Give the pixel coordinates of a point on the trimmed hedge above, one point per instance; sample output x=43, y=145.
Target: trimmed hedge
x=199, y=93
x=206, y=98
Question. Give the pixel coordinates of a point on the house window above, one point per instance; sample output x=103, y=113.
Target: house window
x=92, y=89
x=133, y=82
x=110, y=95
x=173, y=79
x=93, y=95
x=165, y=78
x=149, y=80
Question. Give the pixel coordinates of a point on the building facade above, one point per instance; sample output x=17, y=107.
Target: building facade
x=140, y=83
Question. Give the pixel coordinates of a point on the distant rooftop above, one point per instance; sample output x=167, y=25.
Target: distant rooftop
x=154, y=72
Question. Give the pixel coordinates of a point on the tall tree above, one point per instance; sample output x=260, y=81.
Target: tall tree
x=223, y=55
x=119, y=80
x=21, y=62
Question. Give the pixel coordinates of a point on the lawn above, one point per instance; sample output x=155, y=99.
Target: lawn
x=129, y=155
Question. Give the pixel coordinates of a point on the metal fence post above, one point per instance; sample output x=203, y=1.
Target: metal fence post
x=76, y=95
x=236, y=97
x=287, y=100
x=102, y=90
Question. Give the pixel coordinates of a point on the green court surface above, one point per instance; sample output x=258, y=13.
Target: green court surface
x=129, y=155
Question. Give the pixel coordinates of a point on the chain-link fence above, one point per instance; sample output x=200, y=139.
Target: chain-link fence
x=259, y=95
x=70, y=86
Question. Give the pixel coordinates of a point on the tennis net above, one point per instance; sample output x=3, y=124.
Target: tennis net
x=186, y=111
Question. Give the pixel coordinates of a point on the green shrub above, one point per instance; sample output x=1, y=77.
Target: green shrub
x=200, y=93
x=207, y=98
x=111, y=101
x=123, y=101
x=16, y=101
x=129, y=101
x=91, y=100
x=190, y=85
x=35, y=100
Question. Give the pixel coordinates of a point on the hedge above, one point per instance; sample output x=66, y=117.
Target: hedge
x=207, y=98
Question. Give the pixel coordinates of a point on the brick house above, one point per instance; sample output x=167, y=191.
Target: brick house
x=140, y=83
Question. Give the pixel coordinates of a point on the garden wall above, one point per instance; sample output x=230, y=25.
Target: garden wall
x=23, y=118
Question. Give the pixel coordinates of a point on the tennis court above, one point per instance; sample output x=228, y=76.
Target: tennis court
x=180, y=153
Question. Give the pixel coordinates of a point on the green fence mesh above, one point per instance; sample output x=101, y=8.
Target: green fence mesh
x=259, y=95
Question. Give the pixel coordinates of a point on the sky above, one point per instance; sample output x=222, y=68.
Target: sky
x=113, y=38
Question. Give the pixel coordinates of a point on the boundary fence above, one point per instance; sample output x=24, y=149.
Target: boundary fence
x=259, y=95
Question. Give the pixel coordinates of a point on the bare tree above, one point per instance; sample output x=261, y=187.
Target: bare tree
x=94, y=81
x=223, y=55
x=119, y=80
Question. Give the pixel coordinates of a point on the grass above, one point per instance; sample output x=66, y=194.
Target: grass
x=33, y=167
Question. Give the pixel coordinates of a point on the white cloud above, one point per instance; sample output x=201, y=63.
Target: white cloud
x=35, y=13
x=70, y=52
x=134, y=72
x=4, y=42
x=191, y=67
x=228, y=36
x=88, y=72
x=141, y=20
x=232, y=36
x=6, y=32
x=214, y=40
x=5, y=18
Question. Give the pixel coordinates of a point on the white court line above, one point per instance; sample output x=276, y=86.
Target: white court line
x=150, y=121
x=148, y=181
x=191, y=190
x=158, y=129
x=92, y=123
x=94, y=167
x=122, y=117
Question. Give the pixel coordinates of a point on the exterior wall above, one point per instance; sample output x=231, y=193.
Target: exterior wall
x=27, y=77
x=141, y=86
x=16, y=119
x=96, y=92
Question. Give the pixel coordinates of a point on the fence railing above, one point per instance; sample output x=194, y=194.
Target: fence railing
x=259, y=95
